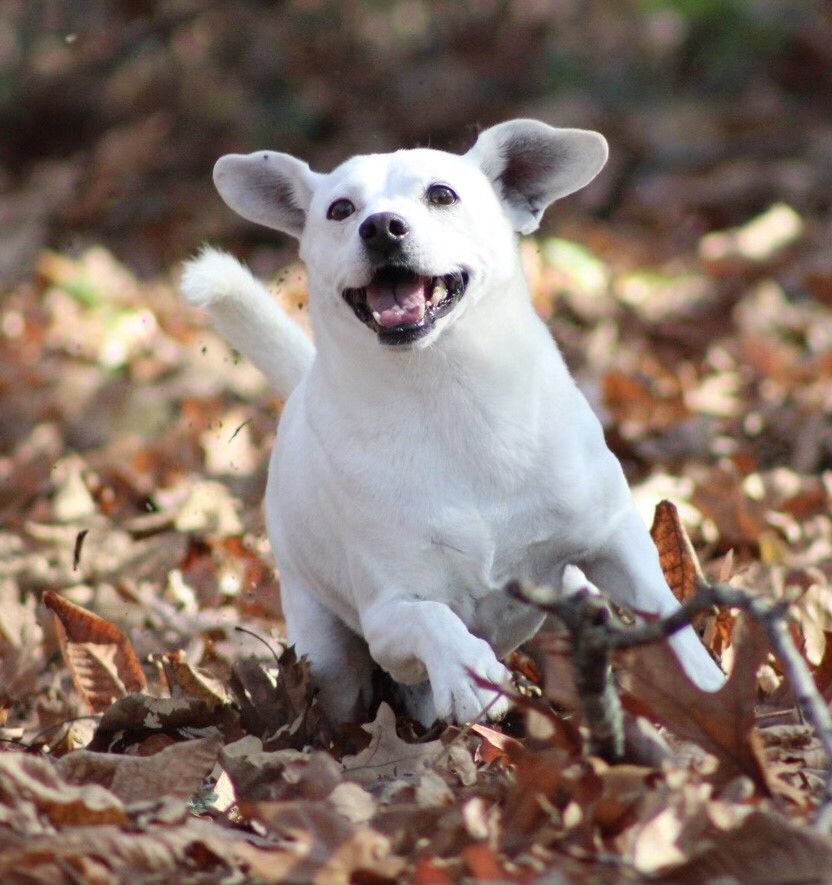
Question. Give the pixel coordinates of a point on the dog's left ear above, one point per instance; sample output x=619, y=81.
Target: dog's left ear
x=531, y=164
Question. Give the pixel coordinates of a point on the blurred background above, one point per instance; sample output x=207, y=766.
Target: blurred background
x=113, y=112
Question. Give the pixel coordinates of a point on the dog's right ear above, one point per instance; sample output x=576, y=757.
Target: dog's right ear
x=267, y=187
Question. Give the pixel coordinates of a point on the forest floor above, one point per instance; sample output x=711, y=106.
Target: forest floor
x=154, y=740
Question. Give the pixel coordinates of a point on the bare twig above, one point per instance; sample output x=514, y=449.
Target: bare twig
x=589, y=622
x=595, y=636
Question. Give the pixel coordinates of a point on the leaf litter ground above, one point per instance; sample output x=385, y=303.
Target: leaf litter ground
x=143, y=736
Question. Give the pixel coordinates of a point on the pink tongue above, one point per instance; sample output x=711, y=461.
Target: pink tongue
x=397, y=304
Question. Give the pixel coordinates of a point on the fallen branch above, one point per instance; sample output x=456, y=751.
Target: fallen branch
x=596, y=633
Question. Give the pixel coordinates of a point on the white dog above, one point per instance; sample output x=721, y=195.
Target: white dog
x=433, y=445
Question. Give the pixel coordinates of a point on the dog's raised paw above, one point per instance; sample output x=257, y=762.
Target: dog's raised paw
x=212, y=276
x=458, y=697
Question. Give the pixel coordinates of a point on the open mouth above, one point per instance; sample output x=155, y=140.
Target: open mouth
x=401, y=306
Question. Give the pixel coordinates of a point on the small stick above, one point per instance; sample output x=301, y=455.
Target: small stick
x=599, y=637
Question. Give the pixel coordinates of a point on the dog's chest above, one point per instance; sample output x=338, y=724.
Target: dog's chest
x=462, y=489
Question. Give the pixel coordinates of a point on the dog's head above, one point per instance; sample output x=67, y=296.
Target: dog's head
x=403, y=242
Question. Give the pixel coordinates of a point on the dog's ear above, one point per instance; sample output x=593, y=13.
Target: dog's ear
x=267, y=187
x=531, y=164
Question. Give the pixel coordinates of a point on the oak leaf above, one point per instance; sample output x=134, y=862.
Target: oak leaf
x=111, y=854
x=283, y=712
x=387, y=755
x=280, y=775
x=189, y=682
x=722, y=722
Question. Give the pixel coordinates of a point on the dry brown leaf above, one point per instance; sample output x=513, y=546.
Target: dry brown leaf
x=186, y=681
x=285, y=713
x=100, y=658
x=432, y=871
x=109, y=855
x=133, y=719
x=677, y=557
x=720, y=496
x=722, y=722
x=559, y=680
x=325, y=846
x=483, y=863
x=624, y=788
x=21, y=640
x=765, y=847
x=536, y=775
x=176, y=771
x=32, y=788
x=672, y=824
x=387, y=755
x=495, y=745
x=281, y=775
x=823, y=671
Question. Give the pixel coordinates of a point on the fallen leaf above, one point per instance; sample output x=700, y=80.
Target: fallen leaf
x=387, y=755
x=21, y=640
x=325, y=846
x=133, y=719
x=537, y=775
x=677, y=557
x=32, y=788
x=823, y=671
x=100, y=658
x=483, y=863
x=765, y=847
x=175, y=771
x=495, y=745
x=186, y=681
x=280, y=775
x=431, y=871
x=282, y=711
x=722, y=722
x=108, y=854
x=624, y=788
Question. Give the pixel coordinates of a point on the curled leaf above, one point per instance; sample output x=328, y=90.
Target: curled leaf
x=676, y=554
x=100, y=658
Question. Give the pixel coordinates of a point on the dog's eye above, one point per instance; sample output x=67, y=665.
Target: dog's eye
x=441, y=195
x=340, y=210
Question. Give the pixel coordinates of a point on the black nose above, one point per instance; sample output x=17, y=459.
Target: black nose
x=383, y=232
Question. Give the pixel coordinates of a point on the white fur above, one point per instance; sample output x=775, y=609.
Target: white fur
x=247, y=316
x=409, y=483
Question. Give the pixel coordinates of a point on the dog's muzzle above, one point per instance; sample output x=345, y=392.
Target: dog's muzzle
x=401, y=306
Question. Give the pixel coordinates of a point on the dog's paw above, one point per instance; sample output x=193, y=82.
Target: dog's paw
x=212, y=276
x=458, y=697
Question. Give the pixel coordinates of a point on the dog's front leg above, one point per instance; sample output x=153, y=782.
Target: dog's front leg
x=339, y=659
x=412, y=638
x=627, y=567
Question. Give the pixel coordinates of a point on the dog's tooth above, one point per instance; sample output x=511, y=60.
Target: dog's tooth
x=437, y=296
x=377, y=316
